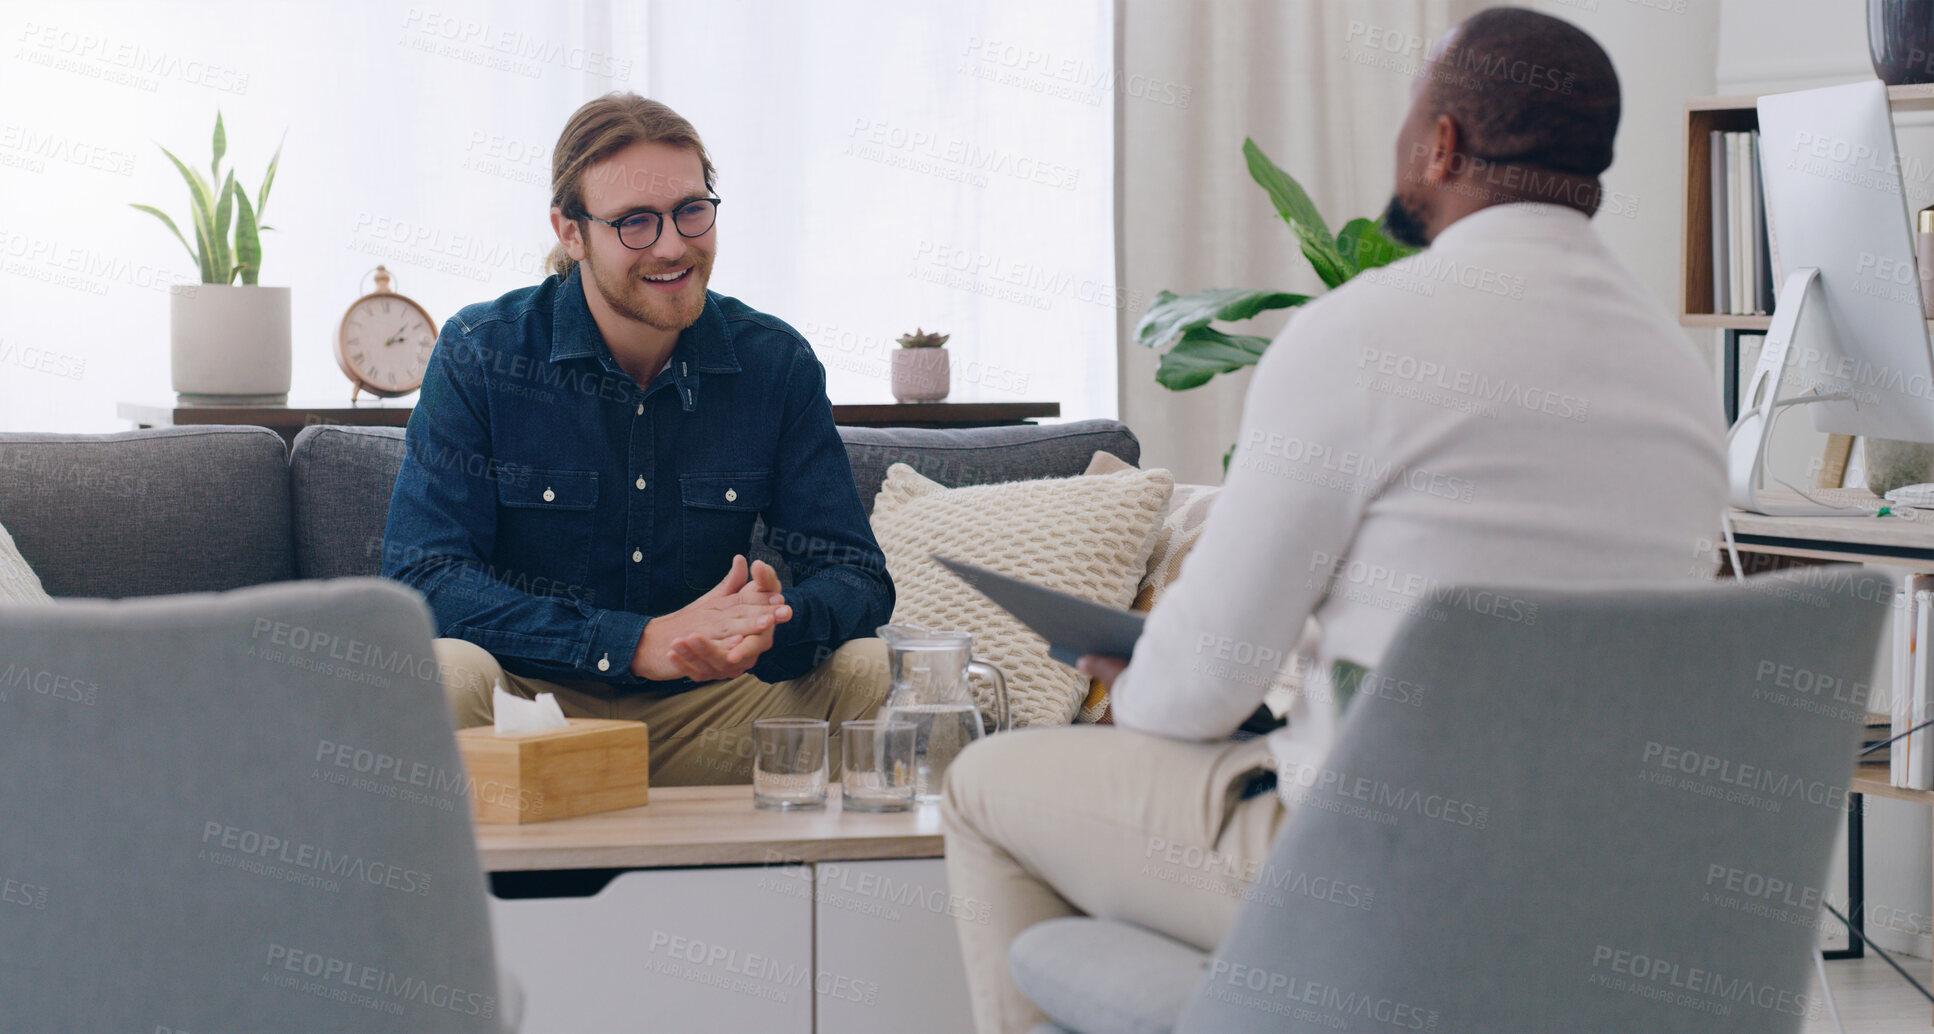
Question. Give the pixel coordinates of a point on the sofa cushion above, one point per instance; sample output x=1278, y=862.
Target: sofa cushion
x=983, y=455
x=1095, y=975
x=142, y=513
x=341, y=479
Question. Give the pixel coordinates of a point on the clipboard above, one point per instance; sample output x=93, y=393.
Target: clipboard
x=1071, y=625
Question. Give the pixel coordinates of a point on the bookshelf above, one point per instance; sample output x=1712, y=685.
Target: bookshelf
x=1872, y=779
x=1770, y=542
x=1735, y=113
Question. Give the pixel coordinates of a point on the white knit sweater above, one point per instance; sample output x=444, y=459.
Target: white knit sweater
x=1509, y=407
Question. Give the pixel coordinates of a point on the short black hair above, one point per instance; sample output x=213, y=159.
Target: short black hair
x=1528, y=89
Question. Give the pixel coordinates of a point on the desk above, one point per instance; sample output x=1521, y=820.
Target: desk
x=1893, y=541
x=725, y=917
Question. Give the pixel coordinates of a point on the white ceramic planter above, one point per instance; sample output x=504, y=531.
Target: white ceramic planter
x=228, y=344
x=921, y=374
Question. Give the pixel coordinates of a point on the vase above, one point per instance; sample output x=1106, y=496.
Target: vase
x=1900, y=37
x=920, y=374
x=228, y=344
x=1891, y=464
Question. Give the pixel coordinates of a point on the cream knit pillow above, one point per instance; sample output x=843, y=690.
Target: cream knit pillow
x=1088, y=536
x=18, y=582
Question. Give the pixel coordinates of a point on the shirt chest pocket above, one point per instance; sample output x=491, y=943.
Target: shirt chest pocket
x=718, y=511
x=544, y=527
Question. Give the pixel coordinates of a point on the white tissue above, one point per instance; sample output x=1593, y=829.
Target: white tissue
x=515, y=714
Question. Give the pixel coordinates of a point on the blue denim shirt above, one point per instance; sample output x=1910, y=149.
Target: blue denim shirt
x=548, y=506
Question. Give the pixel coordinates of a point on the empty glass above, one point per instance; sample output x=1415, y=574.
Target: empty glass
x=876, y=765
x=789, y=763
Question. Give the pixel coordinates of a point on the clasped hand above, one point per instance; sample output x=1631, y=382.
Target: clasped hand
x=721, y=634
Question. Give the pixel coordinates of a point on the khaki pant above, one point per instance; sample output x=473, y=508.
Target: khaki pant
x=1044, y=823
x=701, y=737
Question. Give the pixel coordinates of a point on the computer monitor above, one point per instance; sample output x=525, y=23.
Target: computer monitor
x=1848, y=328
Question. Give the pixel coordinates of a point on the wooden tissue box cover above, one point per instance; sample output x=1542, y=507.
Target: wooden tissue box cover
x=598, y=764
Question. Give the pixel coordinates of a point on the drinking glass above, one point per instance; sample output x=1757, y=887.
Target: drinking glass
x=789, y=763
x=876, y=765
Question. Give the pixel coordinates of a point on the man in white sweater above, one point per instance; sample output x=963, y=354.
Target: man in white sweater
x=1506, y=408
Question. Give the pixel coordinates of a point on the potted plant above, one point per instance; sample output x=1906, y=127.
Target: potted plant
x=920, y=370
x=1200, y=351
x=228, y=342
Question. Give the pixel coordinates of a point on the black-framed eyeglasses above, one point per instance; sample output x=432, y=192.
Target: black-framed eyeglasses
x=641, y=229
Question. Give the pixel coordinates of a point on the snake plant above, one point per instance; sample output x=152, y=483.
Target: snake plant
x=226, y=224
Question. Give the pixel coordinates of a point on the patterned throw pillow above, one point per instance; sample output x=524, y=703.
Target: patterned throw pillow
x=1188, y=510
x=18, y=582
x=1087, y=536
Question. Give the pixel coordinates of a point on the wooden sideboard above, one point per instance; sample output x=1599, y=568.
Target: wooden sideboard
x=289, y=420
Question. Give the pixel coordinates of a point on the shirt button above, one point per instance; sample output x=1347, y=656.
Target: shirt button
x=637, y=555
x=604, y=663
x=731, y=494
x=641, y=409
x=549, y=495
x=641, y=483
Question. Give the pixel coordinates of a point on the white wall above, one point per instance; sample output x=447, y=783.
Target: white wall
x=1664, y=52
x=1772, y=46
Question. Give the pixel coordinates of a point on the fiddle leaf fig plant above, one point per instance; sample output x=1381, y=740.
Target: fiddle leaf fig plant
x=227, y=226
x=1181, y=323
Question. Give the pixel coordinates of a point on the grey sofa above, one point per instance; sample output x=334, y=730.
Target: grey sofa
x=209, y=508
x=243, y=810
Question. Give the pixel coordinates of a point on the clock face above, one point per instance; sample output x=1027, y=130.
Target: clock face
x=386, y=341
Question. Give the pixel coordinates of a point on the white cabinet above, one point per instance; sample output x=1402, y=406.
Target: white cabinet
x=691, y=951
x=739, y=950
x=889, y=961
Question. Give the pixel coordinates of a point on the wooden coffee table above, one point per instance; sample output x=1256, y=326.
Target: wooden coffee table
x=709, y=825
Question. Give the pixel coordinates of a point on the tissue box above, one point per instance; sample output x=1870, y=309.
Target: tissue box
x=597, y=764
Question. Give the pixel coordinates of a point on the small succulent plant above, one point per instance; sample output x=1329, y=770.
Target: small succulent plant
x=917, y=339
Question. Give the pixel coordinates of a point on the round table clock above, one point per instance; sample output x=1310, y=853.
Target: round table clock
x=383, y=344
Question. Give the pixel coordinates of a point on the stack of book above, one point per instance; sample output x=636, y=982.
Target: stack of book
x=1742, y=260
x=1911, y=760
x=1880, y=729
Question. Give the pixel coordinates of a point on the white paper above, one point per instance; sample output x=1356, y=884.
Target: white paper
x=1920, y=762
x=1901, y=703
x=515, y=714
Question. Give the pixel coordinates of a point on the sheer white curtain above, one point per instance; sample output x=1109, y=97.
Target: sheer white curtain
x=889, y=165
x=885, y=166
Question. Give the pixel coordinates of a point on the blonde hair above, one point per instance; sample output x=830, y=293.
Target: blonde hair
x=600, y=129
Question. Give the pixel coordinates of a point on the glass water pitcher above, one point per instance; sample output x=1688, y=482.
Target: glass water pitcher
x=930, y=673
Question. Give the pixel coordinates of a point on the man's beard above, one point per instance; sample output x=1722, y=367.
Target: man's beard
x=1402, y=223
x=629, y=297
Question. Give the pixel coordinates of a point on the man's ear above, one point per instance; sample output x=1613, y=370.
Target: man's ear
x=568, y=234
x=1442, y=160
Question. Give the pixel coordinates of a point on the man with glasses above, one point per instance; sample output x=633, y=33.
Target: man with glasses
x=589, y=457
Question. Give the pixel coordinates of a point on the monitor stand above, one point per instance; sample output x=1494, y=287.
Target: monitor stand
x=1750, y=436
